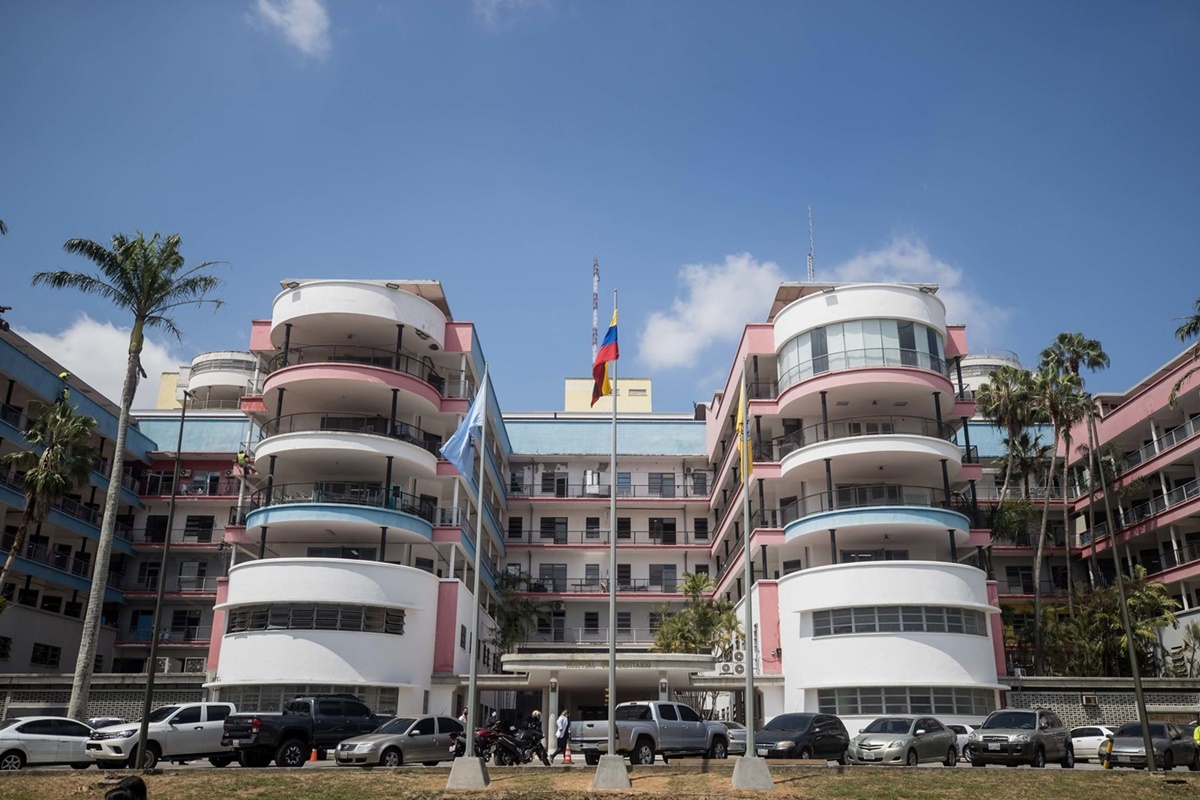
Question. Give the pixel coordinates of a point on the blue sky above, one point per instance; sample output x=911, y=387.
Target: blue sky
x=1038, y=160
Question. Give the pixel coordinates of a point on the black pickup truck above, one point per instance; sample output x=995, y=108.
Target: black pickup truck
x=306, y=724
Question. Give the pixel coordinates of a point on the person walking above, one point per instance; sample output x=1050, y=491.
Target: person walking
x=463, y=717
x=562, y=731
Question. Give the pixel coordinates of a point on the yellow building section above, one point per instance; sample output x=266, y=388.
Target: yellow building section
x=634, y=396
x=168, y=388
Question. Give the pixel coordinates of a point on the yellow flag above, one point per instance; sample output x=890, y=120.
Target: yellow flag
x=747, y=458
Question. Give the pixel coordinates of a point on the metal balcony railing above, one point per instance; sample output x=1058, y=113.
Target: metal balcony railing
x=175, y=584
x=589, y=585
x=1168, y=440
x=43, y=554
x=689, y=487
x=420, y=367
x=373, y=424
x=865, y=357
x=599, y=537
x=169, y=636
x=354, y=494
x=15, y=417
x=1180, y=494
x=598, y=635
x=1038, y=493
x=855, y=427
x=223, y=364
x=185, y=536
x=1025, y=587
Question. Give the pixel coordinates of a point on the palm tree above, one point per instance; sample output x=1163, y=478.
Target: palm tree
x=58, y=461
x=1069, y=352
x=1190, y=329
x=146, y=278
x=1004, y=399
x=3, y=228
x=1027, y=456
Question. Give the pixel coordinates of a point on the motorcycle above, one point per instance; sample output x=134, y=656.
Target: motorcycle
x=485, y=739
x=529, y=742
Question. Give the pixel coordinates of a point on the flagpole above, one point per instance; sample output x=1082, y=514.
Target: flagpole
x=612, y=564
x=473, y=680
x=747, y=568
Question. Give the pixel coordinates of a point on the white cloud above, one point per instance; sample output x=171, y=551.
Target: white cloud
x=304, y=23
x=96, y=353
x=906, y=259
x=719, y=300
x=494, y=13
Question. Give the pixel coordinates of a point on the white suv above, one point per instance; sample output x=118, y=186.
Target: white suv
x=175, y=733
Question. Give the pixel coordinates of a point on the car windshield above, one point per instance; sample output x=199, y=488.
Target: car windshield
x=397, y=725
x=886, y=725
x=789, y=722
x=8, y=723
x=159, y=714
x=1134, y=730
x=1025, y=720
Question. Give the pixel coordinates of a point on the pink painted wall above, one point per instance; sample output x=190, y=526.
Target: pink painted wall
x=993, y=594
x=446, y=633
x=260, y=336
x=758, y=338
x=361, y=373
x=459, y=336
x=831, y=381
x=956, y=341
x=218, y=625
x=768, y=626
x=1141, y=405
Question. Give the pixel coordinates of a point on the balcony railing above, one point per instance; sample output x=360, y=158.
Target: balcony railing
x=1169, y=439
x=1038, y=493
x=866, y=496
x=418, y=366
x=353, y=494
x=855, y=427
x=186, y=536
x=589, y=585
x=865, y=357
x=1184, y=555
x=763, y=389
x=643, y=636
x=690, y=487
x=15, y=417
x=1025, y=587
x=160, y=486
x=224, y=365
x=373, y=424
x=1125, y=519
x=175, y=584
x=169, y=636
x=599, y=537
x=63, y=562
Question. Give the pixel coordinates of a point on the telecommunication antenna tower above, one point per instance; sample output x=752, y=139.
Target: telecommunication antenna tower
x=810, y=246
x=595, y=305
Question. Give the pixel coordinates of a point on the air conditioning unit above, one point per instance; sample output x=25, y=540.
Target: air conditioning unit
x=229, y=473
x=729, y=668
x=596, y=491
x=185, y=473
x=739, y=656
x=194, y=664
x=1089, y=700
x=1018, y=672
x=558, y=606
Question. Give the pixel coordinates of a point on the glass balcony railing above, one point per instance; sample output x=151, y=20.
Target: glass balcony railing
x=324, y=422
x=864, y=357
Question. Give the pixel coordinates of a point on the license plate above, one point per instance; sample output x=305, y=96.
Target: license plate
x=762, y=751
x=868, y=756
x=1124, y=758
x=993, y=745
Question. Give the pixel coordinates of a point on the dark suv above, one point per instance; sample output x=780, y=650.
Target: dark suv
x=1014, y=736
x=803, y=736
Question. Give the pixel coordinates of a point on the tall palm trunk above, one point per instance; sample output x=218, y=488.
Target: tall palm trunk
x=1008, y=468
x=82, y=684
x=27, y=516
x=1037, y=560
x=1067, y=521
x=1093, y=465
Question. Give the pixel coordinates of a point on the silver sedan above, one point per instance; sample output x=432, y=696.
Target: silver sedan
x=402, y=740
x=903, y=740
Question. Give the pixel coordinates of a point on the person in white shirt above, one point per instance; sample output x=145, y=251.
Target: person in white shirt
x=463, y=717
x=562, y=730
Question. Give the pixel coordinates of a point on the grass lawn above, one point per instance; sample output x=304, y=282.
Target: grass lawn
x=684, y=781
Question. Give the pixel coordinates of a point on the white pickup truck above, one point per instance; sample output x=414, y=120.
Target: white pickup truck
x=646, y=728
x=187, y=731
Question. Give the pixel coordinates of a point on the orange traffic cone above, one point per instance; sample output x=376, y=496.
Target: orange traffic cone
x=567, y=754
x=313, y=757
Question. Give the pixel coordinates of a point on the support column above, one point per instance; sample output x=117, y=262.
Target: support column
x=399, y=357
x=962, y=389
x=829, y=484
x=762, y=504
x=271, y=480
x=453, y=554
x=383, y=543
x=278, y=409
x=953, y=547
x=937, y=413
x=763, y=551
x=395, y=398
x=8, y=393
x=974, y=505
x=551, y=712
x=387, y=484
x=945, y=485
x=262, y=543
x=287, y=342
x=824, y=416
x=833, y=554
x=966, y=437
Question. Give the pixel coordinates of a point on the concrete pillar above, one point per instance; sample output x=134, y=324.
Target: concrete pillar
x=551, y=712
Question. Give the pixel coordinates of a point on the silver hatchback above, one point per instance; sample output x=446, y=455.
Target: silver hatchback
x=402, y=740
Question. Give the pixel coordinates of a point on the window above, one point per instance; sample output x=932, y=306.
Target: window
x=700, y=569
x=624, y=575
x=700, y=529
x=73, y=608
x=552, y=577
x=890, y=619
x=553, y=528
x=662, y=577
x=199, y=527
x=329, y=708
x=52, y=603
x=591, y=574
x=299, y=616
x=38, y=727
x=662, y=484
x=351, y=553
x=624, y=622
x=591, y=622
x=624, y=483
x=667, y=711
x=794, y=565
x=687, y=714
x=353, y=708
x=624, y=528
x=45, y=655
x=187, y=716
x=906, y=700
x=424, y=727
x=462, y=637
x=591, y=528
x=662, y=530
x=657, y=618
x=515, y=528
x=217, y=713
x=156, y=528
x=699, y=483
x=5, y=648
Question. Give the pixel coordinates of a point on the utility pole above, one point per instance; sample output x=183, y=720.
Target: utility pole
x=810, y=245
x=595, y=303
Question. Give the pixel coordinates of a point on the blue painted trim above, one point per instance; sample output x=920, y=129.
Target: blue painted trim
x=100, y=481
x=57, y=576
x=469, y=546
x=942, y=518
x=11, y=497
x=334, y=512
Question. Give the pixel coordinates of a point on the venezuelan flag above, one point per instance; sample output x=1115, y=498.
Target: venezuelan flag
x=608, y=352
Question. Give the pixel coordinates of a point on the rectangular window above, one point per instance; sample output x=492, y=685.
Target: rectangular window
x=662, y=484
x=624, y=622
x=5, y=648
x=700, y=529
x=699, y=484
x=591, y=574
x=912, y=618
x=662, y=578
x=156, y=528
x=700, y=569
x=591, y=528
x=624, y=483
x=553, y=528
x=199, y=527
x=45, y=655
x=516, y=528
x=624, y=576
x=52, y=603
x=822, y=623
x=462, y=637
x=624, y=528
x=553, y=577
x=662, y=530
x=591, y=622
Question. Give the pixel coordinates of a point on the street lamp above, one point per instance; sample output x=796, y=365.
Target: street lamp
x=151, y=667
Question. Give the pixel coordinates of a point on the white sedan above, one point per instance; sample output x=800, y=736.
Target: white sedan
x=1088, y=739
x=43, y=741
x=960, y=739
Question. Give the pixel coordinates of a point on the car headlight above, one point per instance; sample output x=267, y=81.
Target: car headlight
x=972, y=736
x=896, y=743
x=127, y=734
x=364, y=747
x=784, y=745
x=1021, y=738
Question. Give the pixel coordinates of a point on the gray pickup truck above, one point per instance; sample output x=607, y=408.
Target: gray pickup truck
x=648, y=728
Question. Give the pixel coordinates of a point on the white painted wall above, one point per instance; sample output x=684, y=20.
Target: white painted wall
x=331, y=580
x=859, y=301
x=358, y=298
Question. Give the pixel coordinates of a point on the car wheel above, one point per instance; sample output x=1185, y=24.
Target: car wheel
x=805, y=753
x=1039, y=758
x=1194, y=764
x=643, y=753
x=1068, y=761
x=1168, y=761
x=148, y=759
x=430, y=763
x=591, y=759
x=951, y=757
x=391, y=758
x=718, y=749
x=965, y=755
x=221, y=761
x=291, y=753
x=912, y=759
x=12, y=760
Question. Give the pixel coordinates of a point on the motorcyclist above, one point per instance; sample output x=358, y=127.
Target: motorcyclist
x=534, y=725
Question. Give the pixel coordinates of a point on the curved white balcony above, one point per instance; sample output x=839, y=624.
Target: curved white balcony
x=371, y=311
x=900, y=658
x=339, y=511
x=857, y=302
x=914, y=517
x=221, y=377
x=281, y=595
x=912, y=447
x=306, y=443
